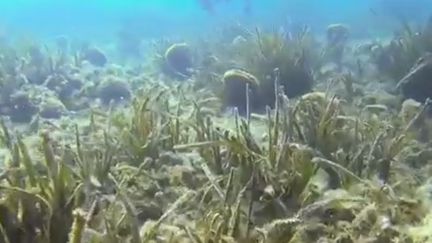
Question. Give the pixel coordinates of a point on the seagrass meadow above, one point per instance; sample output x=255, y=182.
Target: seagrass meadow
x=250, y=136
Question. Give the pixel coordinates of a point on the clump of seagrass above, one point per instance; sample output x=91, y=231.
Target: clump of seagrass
x=145, y=134
x=395, y=59
x=416, y=84
x=49, y=184
x=168, y=168
x=293, y=58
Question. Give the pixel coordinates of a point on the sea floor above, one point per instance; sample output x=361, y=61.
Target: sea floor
x=330, y=140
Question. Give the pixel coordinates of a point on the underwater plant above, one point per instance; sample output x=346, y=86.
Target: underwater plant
x=320, y=163
x=263, y=53
x=416, y=84
x=396, y=58
x=133, y=176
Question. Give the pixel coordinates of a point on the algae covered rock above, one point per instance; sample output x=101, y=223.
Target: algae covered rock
x=64, y=86
x=113, y=89
x=34, y=74
x=337, y=34
x=183, y=175
x=95, y=56
x=52, y=108
x=388, y=100
x=21, y=107
x=320, y=100
x=420, y=123
x=417, y=84
x=178, y=59
x=410, y=108
x=235, y=82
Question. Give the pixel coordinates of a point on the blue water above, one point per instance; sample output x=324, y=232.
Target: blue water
x=100, y=19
